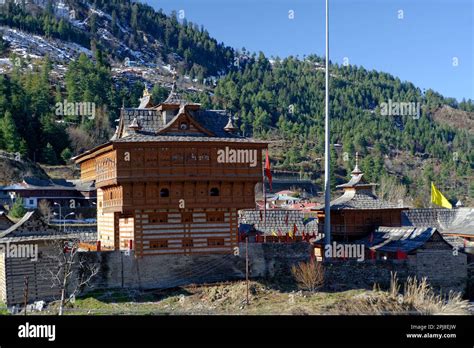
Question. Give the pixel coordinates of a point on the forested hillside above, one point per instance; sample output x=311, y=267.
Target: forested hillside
x=143, y=33
x=285, y=101
x=278, y=100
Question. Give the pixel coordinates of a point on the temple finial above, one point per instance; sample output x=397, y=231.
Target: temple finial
x=230, y=128
x=356, y=170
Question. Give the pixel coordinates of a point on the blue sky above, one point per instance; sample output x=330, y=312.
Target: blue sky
x=422, y=47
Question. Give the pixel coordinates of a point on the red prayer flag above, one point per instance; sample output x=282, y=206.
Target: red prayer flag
x=286, y=219
x=295, y=230
x=401, y=255
x=372, y=254
x=268, y=172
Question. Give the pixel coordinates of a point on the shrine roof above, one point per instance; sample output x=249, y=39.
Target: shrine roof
x=393, y=239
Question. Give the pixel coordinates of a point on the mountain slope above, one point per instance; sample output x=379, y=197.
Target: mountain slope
x=106, y=53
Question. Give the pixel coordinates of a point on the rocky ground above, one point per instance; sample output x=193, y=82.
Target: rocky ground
x=264, y=299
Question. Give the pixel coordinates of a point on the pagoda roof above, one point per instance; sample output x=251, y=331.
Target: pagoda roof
x=358, y=194
x=154, y=124
x=360, y=199
x=356, y=181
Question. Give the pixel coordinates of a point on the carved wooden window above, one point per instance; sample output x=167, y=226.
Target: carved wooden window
x=215, y=216
x=186, y=217
x=191, y=156
x=203, y=156
x=177, y=158
x=215, y=242
x=183, y=125
x=155, y=218
x=159, y=244
x=187, y=243
x=165, y=156
x=151, y=157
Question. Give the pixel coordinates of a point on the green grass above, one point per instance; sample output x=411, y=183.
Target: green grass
x=224, y=299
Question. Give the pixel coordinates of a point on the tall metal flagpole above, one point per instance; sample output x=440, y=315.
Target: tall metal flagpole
x=327, y=185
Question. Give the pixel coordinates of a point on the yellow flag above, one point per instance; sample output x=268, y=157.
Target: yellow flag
x=290, y=233
x=438, y=198
x=274, y=233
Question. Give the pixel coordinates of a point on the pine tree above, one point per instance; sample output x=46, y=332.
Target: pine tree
x=11, y=140
x=18, y=210
x=48, y=155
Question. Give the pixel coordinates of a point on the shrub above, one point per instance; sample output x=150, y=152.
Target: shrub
x=18, y=210
x=309, y=275
x=417, y=298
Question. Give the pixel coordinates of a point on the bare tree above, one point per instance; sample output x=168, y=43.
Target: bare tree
x=309, y=275
x=392, y=191
x=71, y=271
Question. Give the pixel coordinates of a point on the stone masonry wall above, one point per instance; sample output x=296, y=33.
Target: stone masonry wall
x=270, y=260
x=444, y=271
x=166, y=271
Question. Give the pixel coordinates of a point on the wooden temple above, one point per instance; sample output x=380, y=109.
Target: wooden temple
x=358, y=212
x=172, y=179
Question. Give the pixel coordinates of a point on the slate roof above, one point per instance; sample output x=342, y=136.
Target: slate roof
x=448, y=221
x=174, y=97
x=173, y=138
x=150, y=120
x=5, y=222
x=83, y=236
x=147, y=124
x=151, y=123
x=30, y=183
x=360, y=199
x=356, y=181
x=358, y=194
x=392, y=239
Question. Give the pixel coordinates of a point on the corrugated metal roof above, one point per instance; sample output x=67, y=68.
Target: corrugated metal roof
x=392, y=239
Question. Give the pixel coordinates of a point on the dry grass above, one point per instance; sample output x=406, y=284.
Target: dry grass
x=420, y=296
x=309, y=275
x=417, y=298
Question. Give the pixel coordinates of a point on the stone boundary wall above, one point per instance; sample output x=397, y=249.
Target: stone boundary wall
x=443, y=270
x=266, y=260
